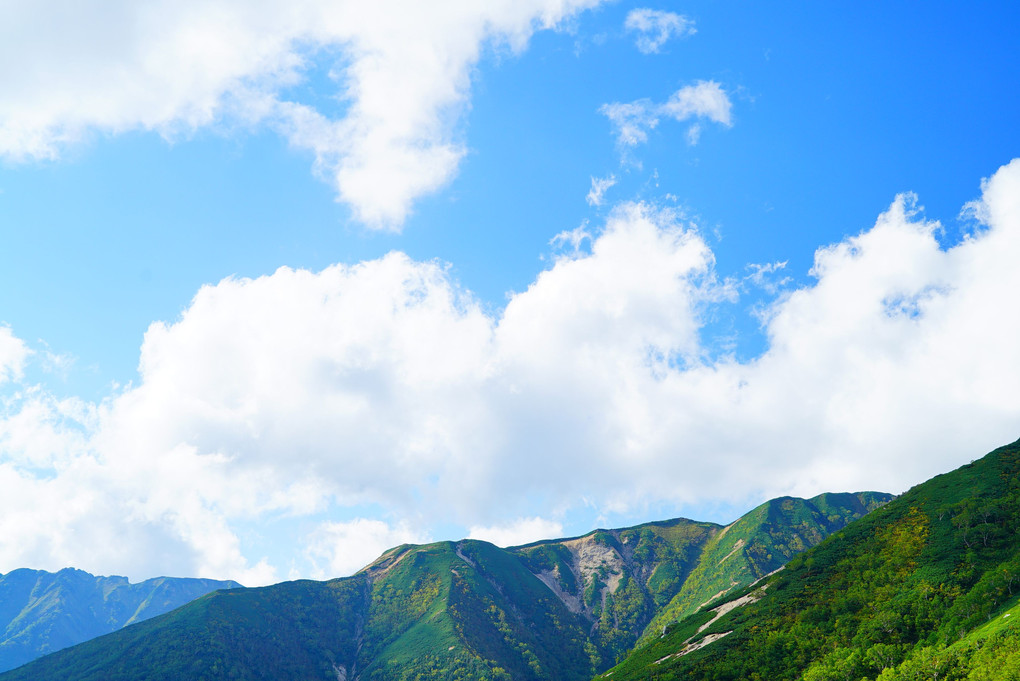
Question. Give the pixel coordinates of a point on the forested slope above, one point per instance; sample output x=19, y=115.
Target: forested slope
x=917, y=589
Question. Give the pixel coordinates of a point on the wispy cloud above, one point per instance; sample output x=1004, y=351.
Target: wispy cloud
x=599, y=186
x=704, y=100
x=632, y=121
x=764, y=276
x=572, y=238
x=655, y=28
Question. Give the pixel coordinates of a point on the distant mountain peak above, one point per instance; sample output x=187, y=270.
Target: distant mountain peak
x=43, y=612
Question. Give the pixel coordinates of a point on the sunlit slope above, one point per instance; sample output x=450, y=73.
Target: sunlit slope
x=466, y=610
x=899, y=594
x=761, y=542
x=558, y=610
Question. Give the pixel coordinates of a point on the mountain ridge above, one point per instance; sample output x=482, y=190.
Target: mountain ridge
x=553, y=609
x=42, y=612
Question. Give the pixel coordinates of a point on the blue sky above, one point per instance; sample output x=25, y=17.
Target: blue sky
x=467, y=337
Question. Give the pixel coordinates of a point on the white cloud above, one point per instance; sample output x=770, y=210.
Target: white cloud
x=401, y=76
x=656, y=27
x=341, y=549
x=383, y=385
x=704, y=99
x=763, y=275
x=632, y=121
x=379, y=383
x=599, y=186
x=694, y=134
x=572, y=238
x=13, y=353
x=518, y=532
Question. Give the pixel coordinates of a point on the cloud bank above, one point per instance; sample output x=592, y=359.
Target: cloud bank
x=385, y=385
x=399, y=72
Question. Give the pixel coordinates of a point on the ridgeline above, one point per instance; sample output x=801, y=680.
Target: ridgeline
x=560, y=610
x=42, y=612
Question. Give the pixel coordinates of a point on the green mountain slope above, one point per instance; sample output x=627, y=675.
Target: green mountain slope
x=41, y=612
x=555, y=610
x=629, y=583
x=917, y=589
x=759, y=543
x=460, y=611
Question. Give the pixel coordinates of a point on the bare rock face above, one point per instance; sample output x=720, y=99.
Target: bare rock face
x=595, y=558
x=616, y=579
x=551, y=578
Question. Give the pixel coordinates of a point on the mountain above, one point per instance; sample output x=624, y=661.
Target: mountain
x=41, y=612
x=562, y=609
x=760, y=543
x=628, y=583
x=926, y=587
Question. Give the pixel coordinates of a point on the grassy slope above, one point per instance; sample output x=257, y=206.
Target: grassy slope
x=758, y=543
x=468, y=610
x=889, y=596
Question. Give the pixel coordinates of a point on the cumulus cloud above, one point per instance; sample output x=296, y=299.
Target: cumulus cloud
x=341, y=549
x=400, y=74
x=518, y=532
x=655, y=27
x=385, y=385
x=632, y=121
